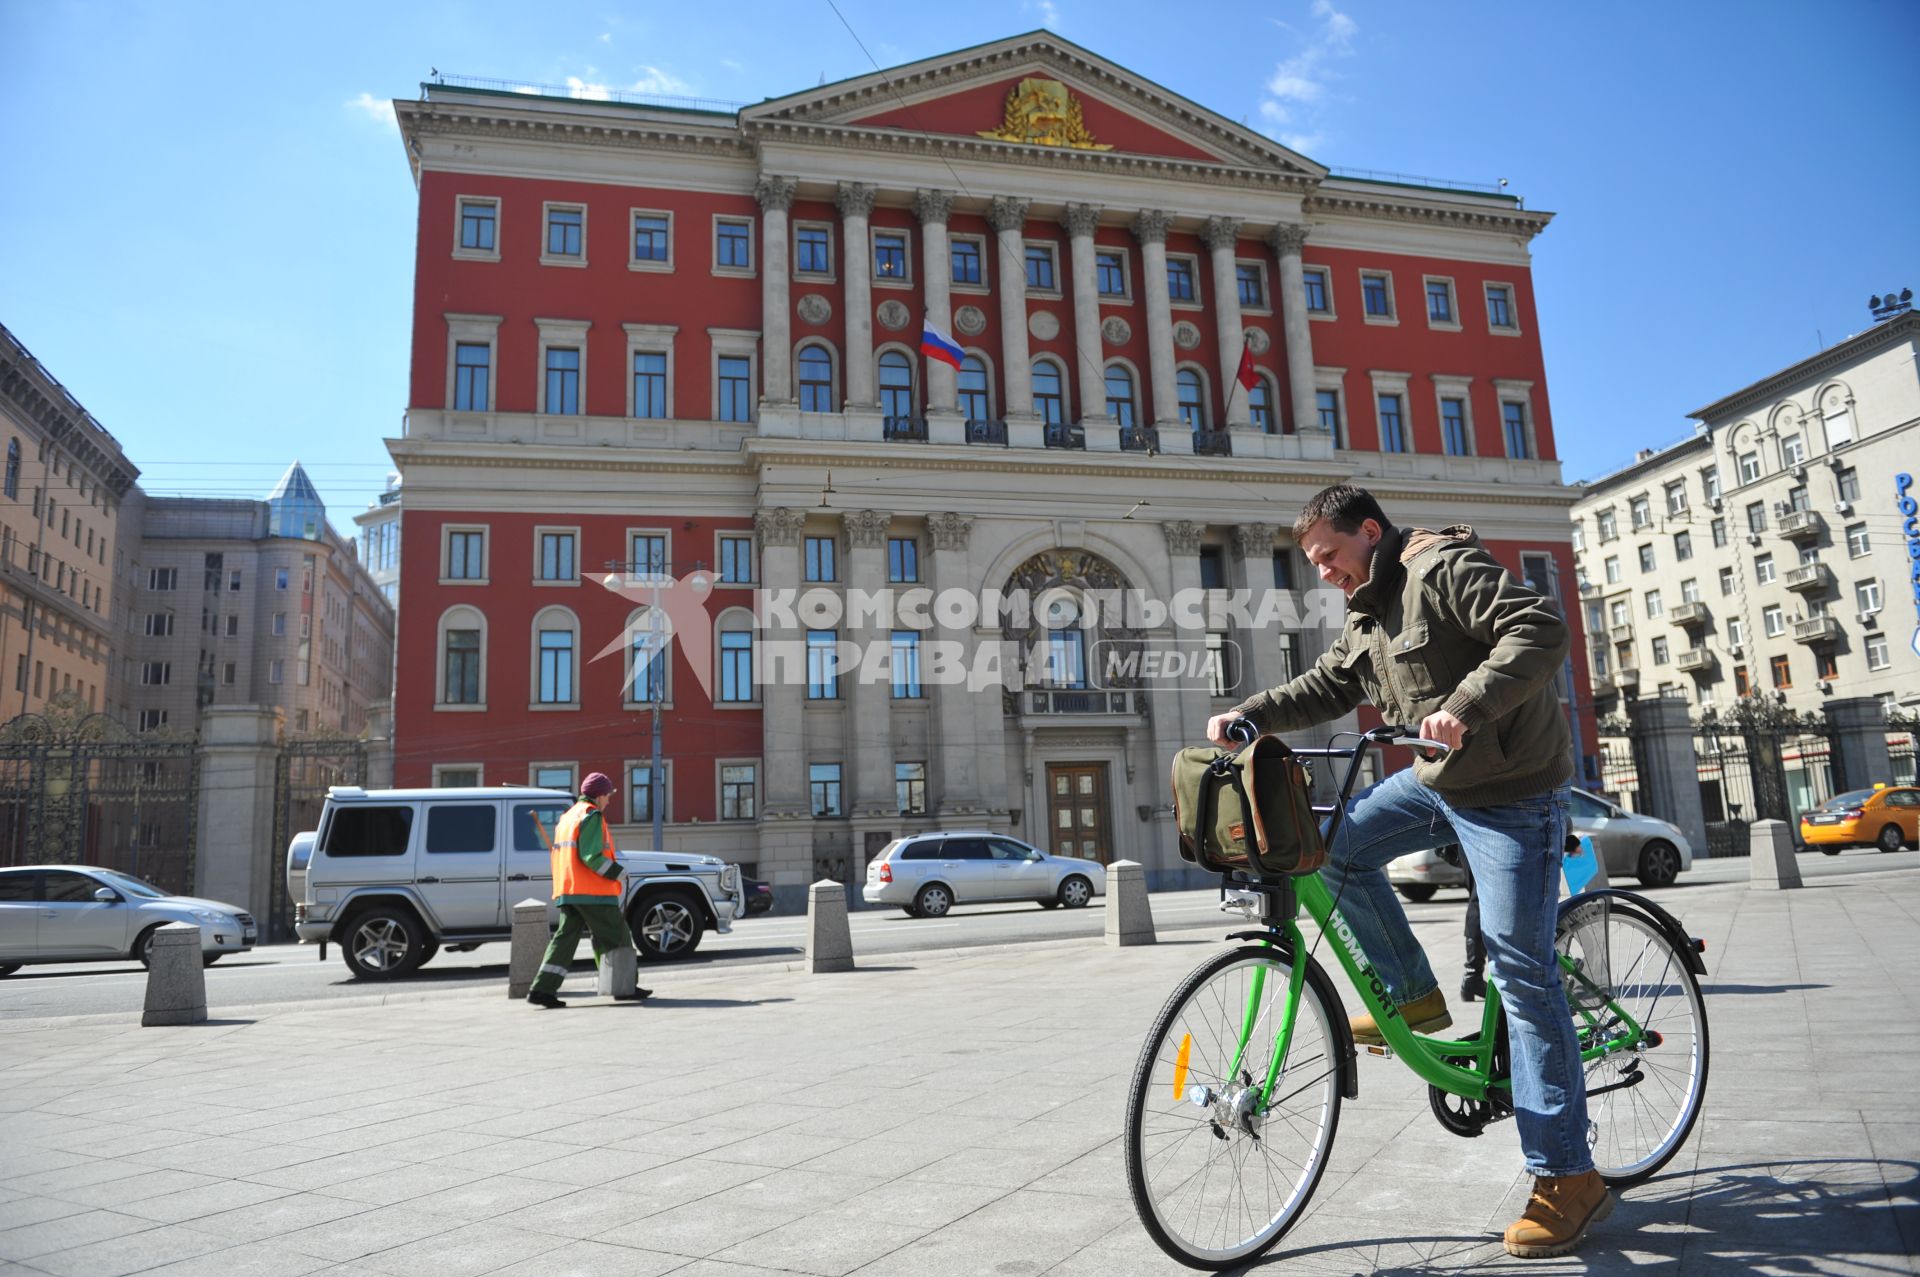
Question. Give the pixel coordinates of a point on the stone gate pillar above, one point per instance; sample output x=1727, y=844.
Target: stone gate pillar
x=1664, y=760
x=1857, y=727
x=236, y=859
x=380, y=745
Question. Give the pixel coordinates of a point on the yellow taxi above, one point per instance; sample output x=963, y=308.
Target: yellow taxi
x=1886, y=816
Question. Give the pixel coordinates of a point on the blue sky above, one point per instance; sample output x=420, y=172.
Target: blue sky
x=208, y=227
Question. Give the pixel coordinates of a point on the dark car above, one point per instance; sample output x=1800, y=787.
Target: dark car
x=759, y=896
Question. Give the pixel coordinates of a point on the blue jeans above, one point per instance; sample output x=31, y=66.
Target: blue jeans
x=1514, y=851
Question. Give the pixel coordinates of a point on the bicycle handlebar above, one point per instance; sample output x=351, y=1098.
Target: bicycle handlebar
x=1240, y=729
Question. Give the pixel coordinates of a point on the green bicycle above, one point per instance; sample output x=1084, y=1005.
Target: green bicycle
x=1235, y=1100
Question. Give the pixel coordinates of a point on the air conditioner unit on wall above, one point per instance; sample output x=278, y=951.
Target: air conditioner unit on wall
x=1868, y=619
x=1843, y=507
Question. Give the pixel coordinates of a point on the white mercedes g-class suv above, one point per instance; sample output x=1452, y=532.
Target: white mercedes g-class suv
x=395, y=874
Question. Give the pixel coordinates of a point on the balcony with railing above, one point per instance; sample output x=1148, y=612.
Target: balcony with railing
x=987, y=432
x=1809, y=578
x=1817, y=629
x=1626, y=678
x=1801, y=525
x=1140, y=439
x=1064, y=434
x=904, y=429
x=1038, y=700
x=1694, y=660
x=1689, y=614
x=1212, y=443
x=1621, y=633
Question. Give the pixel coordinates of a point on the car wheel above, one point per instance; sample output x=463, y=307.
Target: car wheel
x=383, y=942
x=1048, y=904
x=427, y=951
x=1075, y=892
x=1890, y=838
x=208, y=959
x=8, y=968
x=666, y=925
x=143, y=947
x=910, y=911
x=1830, y=849
x=1659, y=863
x=1418, y=892
x=933, y=901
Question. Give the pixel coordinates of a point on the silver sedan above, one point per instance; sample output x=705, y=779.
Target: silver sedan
x=82, y=913
x=930, y=873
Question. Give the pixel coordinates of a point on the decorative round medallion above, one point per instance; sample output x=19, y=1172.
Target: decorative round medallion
x=1258, y=341
x=1116, y=330
x=815, y=309
x=970, y=320
x=893, y=314
x=1043, y=324
x=1186, y=335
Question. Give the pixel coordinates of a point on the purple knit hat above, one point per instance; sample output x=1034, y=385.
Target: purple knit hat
x=595, y=785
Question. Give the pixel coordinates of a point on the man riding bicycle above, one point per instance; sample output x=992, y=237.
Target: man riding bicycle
x=1438, y=633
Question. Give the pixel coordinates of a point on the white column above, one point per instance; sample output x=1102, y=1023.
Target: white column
x=870, y=703
x=1150, y=228
x=1008, y=217
x=1183, y=562
x=855, y=201
x=776, y=316
x=955, y=760
x=782, y=704
x=1259, y=651
x=932, y=208
x=1287, y=241
x=1079, y=220
x=1221, y=234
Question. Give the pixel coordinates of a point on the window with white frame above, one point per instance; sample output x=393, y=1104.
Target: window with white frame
x=1774, y=620
x=1250, y=280
x=648, y=653
x=1655, y=608
x=892, y=257
x=1877, y=652
x=1454, y=436
x=1121, y=407
x=1394, y=435
x=1749, y=463
x=1183, y=284
x=1609, y=524
x=974, y=386
x=1690, y=590
x=1043, y=268
x=967, y=261
x=1376, y=297
x=733, y=398
x=652, y=240
x=1866, y=595
x=739, y=791
x=1318, y=285
x=477, y=229
x=1764, y=571
x=903, y=560
x=1793, y=450
x=823, y=665
x=736, y=559
x=565, y=240
x=736, y=667
x=1441, y=310
x=813, y=377
x=910, y=788
x=1501, y=314
x=556, y=651
x=1858, y=544
x=813, y=249
x=556, y=557
x=823, y=786
x=1611, y=566
x=163, y=579
x=1676, y=493
x=732, y=246
x=904, y=656
x=641, y=791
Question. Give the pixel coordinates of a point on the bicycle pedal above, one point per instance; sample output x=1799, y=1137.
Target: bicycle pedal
x=1384, y=1052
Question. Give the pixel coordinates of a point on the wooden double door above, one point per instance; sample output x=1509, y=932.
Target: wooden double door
x=1079, y=822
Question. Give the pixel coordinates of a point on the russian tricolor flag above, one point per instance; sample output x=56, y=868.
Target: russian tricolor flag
x=935, y=344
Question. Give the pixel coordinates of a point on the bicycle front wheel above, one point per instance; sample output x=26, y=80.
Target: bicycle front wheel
x=1642, y=1100
x=1219, y=1170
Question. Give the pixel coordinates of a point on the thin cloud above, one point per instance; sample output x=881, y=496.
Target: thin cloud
x=654, y=80
x=1049, y=12
x=1301, y=84
x=606, y=37
x=379, y=110
x=578, y=88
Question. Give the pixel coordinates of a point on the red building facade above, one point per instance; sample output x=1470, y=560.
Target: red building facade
x=654, y=341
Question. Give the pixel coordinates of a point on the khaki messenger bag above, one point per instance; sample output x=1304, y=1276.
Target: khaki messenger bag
x=1250, y=809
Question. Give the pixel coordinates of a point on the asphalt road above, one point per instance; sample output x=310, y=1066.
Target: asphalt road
x=295, y=973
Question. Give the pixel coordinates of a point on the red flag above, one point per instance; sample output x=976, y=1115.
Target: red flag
x=1247, y=376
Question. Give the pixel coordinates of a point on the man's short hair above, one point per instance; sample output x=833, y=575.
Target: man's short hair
x=1344, y=506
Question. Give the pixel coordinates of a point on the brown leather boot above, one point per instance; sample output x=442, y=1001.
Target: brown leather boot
x=1423, y=1015
x=1558, y=1215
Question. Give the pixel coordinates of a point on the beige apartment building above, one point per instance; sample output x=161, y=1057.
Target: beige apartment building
x=61, y=499
x=1767, y=554
x=240, y=602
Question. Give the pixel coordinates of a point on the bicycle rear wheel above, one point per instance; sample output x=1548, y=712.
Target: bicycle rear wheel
x=1642, y=1101
x=1218, y=1173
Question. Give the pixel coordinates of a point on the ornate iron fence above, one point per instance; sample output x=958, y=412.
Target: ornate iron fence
x=306, y=768
x=1902, y=732
x=1761, y=762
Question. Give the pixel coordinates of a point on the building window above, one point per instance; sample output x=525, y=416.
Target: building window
x=1513, y=423
x=1213, y=568
x=276, y=672
x=1252, y=284
x=813, y=250
x=160, y=578
x=477, y=218
x=556, y=667
x=1676, y=493
x=1682, y=546
x=1040, y=270
x=1609, y=525
x=1877, y=657
x=1749, y=467
x=466, y=558
x=1742, y=684
x=1660, y=652
x=896, y=387
x=736, y=388
x=647, y=554
x=566, y=232
x=278, y=626
x=733, y=245
x=13, y=469
x=910, y=788
x=640, y=793
x=1192, y=398
x=1757, y=516
x=976, y=401
x=233, y=625
x=1866, y=596
x=1847, y=479
x=563, y=381
x=823, y=784
x=651, y=238
x=159, y=624
x=1318, y=297
x=1260, y=406
x=738, y=791
x=1327, y=402
x=1646, y=558
x=1763, y=570
x=736, y=666
x=1049, y=397
x=156, y=673
x=1611, y=566
x=890, y=255
x=1726, y=581
x=1736, y=632
x=556, y=557
x=1798, y=499
x=1782, y=671
x=1719, y=530
x=471, y=366
x=1655, y=607
x=229, y=674
x=1440, y=302
x=462, y=664
x=279, y=578
x=823, y=665
x=1690, y=590
x=1110, y=273
x=649, y=384
x=1774, y=621
x=152, y=720
x=906, y=665
x=1793, y=450
x=1858, y=545
x=1220, y=681
x=964, y=255
x=1453, y=427
x=815, y=368
x=903, y=559
x=736, y=560
x=1500, y=306
x=1376, y=295
x=1393, y=434
x=819, y=553
x=1120, y=404
x=1180, y=279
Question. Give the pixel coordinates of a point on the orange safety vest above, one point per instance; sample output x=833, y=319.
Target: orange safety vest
x=571, y=876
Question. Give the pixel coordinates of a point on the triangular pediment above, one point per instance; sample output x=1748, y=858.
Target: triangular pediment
x=1005, y=92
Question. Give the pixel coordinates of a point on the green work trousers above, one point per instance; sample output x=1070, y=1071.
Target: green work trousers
x=605, y=923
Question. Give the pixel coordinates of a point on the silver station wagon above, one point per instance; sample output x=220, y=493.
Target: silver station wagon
x=928, y=874
x=81, y=913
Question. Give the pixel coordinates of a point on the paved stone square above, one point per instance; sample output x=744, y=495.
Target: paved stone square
x=919, y=1116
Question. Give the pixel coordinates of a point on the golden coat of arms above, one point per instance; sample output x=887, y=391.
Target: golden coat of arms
x=1043, y=113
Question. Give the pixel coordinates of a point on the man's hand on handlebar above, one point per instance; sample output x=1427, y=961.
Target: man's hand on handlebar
x=1445, y=728
x=1217, y=728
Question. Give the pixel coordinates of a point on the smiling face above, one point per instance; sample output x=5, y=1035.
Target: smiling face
x=1343, y=559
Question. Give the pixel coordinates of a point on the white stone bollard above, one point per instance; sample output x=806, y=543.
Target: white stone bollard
x=176, y=977
x=530, y=936
x=1129, y=913
x=829, y=940
x=1773, y=867
x=619, y=973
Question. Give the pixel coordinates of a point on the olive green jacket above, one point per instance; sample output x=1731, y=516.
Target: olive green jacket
x=1440, y=625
